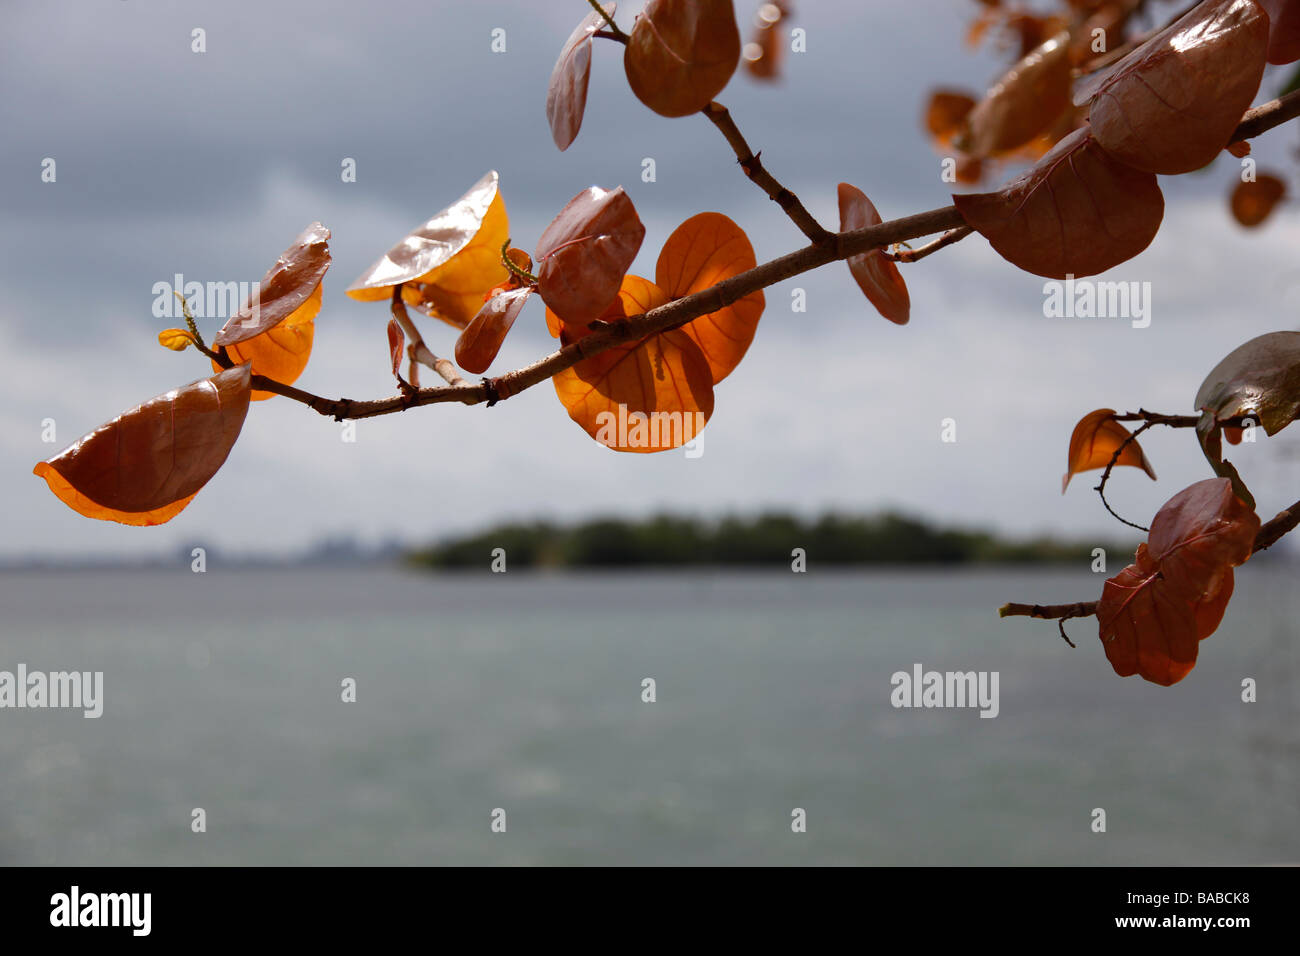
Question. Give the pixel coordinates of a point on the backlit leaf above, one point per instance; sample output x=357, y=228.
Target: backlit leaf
x=1252, y=203
x=945, y=114
x=282, y=351
x=289, y=288
x=645, y=396
x=1077, y=211
x=681, y=54
x=1153, y=615
x=703, y=251
x=1023, y=103
x=876, y=276
x=178, y=340
x=1093, y=444
x=1172, y=104
x=479, y=343
x=584, y=253
x=146, y=465
x=566, y=96
x=446, y=264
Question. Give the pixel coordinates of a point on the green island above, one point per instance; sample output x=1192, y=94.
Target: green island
x=768, y=539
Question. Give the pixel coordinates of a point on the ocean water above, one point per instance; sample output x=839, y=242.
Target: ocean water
x=523, y=692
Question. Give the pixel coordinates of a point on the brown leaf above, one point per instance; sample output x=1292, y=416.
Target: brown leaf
x=566, y=96
x=1093, y=443
x=584, y=253
x=1252, y=203
x=1172, y=104
x=945, y=113
x=681, y=54
x=1284, y=30
x=284, y=289
x=1077, y=211
x=146, y=465
x=1023, y=103
x=1153, y=614
x=396, y=344
x=479, y=343
x=877, y=277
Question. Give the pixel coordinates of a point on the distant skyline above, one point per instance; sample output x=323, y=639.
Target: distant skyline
x=208, y=164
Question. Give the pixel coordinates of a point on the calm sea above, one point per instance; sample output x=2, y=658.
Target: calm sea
x=523, y=693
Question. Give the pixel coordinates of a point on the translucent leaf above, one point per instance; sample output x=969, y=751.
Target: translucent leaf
x=681, y=54
x=178, y=340
x=1093, y=443
x=877, y=277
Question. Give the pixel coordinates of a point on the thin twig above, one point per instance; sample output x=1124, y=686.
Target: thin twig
x=617, y=33
x=1105, y=475
x=947, y=239
x=752, y=164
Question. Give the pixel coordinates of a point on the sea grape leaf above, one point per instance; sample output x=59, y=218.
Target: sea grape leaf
x=1077, y=211
x=704, y=250
x=877, y=277
x=479, y=343
x=147, y=464
x=584, y=253
x=1153, y=615
x=1253, y=202
x=645, y=396
x=283, y=350
x=1172, y=104
x=1260, y=378
x=1284, y=30
x=289, y=287
x=681, y=54
x=566, y=95
x=446, y=264
x=1023, y=103
x=1093, y=443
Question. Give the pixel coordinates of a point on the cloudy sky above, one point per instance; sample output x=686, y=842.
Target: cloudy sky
x=170, y=161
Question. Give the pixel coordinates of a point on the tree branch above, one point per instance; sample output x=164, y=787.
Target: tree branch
x=720, y=116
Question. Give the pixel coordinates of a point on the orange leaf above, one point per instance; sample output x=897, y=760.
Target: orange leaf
x=396, y=344
x=1093, y=444
x=1253, y=202
x=1077, y=211
x=146, y=465
x=446, y=264
x=584, y=253
x=1153, y=614
x=681, y=53
x=479, y=343
x=1170, y=105
x=701, y=252
x=945, y=113
x=1023, y=103
x=282, y=351
x=876, y=276
x=566, y=95
x=645, y=396
x=285, y=292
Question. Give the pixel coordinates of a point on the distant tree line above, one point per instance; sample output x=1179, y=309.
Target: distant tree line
x=768, y=540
